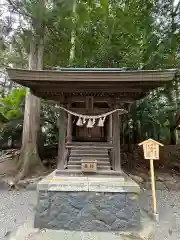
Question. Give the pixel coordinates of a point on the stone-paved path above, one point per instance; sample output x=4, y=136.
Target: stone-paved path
x=18, y=207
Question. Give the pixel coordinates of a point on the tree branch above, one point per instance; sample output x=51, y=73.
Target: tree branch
x=176, y=9
x=20, y=11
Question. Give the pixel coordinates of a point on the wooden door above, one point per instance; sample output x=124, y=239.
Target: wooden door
x=94, y=134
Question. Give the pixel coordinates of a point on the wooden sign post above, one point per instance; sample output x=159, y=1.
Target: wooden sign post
x=151, y=152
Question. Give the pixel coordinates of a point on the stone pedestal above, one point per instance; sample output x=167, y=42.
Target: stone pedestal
x=88, y=203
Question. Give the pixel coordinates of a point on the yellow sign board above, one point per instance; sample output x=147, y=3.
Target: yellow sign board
x=151, y=149
x=88, y=165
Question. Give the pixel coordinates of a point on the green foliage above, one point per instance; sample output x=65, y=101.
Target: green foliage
x=12, y=105
x=133, y=34
x=12, y=108
x=49, y=123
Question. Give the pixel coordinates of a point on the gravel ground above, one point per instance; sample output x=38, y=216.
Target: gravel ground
x=168, y=203
x=18, y=207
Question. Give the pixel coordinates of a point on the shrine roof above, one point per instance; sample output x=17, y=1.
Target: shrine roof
x=132, y=84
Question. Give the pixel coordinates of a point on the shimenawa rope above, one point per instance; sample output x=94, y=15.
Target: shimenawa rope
x=91, y=119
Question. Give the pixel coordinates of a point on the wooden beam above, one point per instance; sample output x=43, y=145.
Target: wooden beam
x=99, y=99
x=57, y=98
x=62, y=135
x=95, y=110
x=93, y=89
x=107, y=93
x=110, y=129
x=96, y=99
x=144, y=85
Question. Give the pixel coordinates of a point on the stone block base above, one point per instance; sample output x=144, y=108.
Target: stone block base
x=87, y=211
x=89, y=203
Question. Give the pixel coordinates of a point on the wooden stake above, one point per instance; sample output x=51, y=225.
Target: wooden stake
x=153, y=187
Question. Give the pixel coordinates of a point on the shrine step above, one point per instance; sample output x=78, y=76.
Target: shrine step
x=79, y=158
x=99, y=173
x=99, y=163
x=89, y=151
x=88, y=146
x=98, y=167
x=90, y=155
x=86, y=151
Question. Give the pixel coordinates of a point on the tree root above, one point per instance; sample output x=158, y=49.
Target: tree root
x=29, y=163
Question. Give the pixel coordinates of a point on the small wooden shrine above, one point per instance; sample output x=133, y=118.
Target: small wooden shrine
x=85, y=94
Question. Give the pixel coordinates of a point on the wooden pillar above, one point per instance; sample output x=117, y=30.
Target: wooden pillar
x=110, y=133
x=69, y=128
x=116, y=142
x=62, y=136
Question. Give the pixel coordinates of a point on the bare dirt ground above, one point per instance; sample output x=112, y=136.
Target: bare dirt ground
x=17, y=207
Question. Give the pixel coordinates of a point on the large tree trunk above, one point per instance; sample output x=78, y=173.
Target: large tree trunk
x=29, y=161
x=73, y=34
